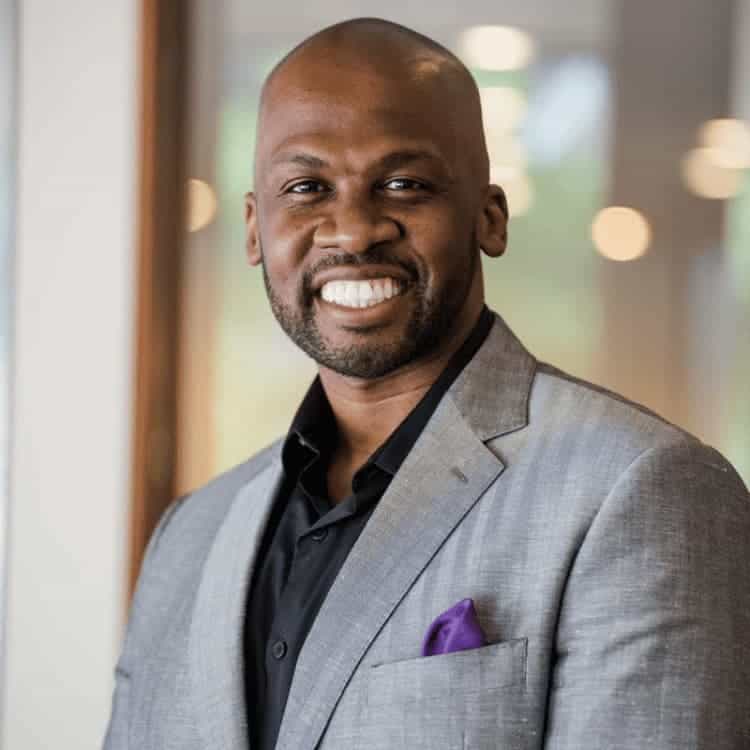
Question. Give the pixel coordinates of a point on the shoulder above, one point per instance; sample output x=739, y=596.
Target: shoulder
x=611, y=444
x=186, y=529
x=645, y=496
x=197, y=515
x=577, y=409
x=176, y=552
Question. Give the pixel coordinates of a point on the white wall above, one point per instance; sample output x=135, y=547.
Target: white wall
x=73, y=362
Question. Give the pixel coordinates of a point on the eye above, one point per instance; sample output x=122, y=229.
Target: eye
x=403, y=183
x=306, y=186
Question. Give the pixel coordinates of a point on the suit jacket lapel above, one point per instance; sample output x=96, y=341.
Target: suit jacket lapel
x=442, y=478
x=216, y=634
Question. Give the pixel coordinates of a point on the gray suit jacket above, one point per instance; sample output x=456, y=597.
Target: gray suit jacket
x=606, y=552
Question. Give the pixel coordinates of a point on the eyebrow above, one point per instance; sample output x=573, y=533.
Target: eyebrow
x=304, y=160
x=390, y=161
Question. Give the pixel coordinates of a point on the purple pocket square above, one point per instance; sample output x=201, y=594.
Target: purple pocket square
x=455, y=630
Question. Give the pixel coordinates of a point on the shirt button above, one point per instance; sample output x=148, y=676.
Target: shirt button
x=279, y=649
x=319, y=535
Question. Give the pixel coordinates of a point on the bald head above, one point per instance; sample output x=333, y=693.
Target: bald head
x=373, y=60
x=383, y=45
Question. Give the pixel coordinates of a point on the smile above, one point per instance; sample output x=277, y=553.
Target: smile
x=366, y=293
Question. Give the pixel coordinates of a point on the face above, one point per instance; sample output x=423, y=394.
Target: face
x=367, y=220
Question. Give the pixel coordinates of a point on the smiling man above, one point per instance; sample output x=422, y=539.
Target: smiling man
x=455, y=545
x=373, y=211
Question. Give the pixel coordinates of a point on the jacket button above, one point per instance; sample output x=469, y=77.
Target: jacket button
x=279, y=649
x=319, y=535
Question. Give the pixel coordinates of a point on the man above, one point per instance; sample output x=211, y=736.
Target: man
x=455, y=546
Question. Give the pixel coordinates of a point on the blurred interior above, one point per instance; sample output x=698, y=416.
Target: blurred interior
x=588, y=105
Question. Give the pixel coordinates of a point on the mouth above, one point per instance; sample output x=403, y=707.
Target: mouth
x=362, y=293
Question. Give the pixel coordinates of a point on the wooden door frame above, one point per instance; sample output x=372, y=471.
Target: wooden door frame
x=163, y=138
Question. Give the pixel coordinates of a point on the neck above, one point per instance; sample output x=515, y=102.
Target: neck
x=367, y=411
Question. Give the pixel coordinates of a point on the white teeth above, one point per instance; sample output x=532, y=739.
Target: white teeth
x=360, y=293
x=351, y=295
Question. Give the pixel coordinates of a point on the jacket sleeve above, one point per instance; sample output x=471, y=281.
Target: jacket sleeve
x=653, y=639
x=116, y=737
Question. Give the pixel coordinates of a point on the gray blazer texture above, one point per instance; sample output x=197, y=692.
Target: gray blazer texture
x=606, y=552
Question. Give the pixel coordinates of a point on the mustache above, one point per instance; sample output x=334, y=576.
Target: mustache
x=371, y=256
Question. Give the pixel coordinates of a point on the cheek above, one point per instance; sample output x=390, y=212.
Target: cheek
x=444, y=244
x=285, y=244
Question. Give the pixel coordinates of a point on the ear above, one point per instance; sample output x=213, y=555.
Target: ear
x=493, y=222
x=252, y=238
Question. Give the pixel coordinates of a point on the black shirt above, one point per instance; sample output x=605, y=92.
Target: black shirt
x=308, y=537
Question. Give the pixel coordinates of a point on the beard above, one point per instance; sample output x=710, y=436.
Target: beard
x=430, y=323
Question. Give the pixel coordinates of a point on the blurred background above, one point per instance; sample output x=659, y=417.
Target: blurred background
x=139, y=356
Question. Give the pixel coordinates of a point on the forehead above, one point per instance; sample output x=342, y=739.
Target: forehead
x=344, y=109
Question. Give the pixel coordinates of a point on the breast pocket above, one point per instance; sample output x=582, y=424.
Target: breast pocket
x=465, y=699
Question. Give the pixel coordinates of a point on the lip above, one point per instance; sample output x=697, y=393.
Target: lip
x=359, y=273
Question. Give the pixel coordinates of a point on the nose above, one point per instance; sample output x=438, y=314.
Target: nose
x=354, y=226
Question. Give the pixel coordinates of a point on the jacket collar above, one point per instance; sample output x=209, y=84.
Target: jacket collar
x=492, y=392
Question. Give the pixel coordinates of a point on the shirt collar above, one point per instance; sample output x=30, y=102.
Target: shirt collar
x=313, y=431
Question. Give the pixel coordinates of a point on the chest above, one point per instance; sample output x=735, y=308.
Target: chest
x=491, y=697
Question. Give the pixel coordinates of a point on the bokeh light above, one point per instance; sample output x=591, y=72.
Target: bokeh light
x=503, y=108
x=496, y=47
x=621, y=233
x=729, y=141
x=201, y=205
x=705, y=174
